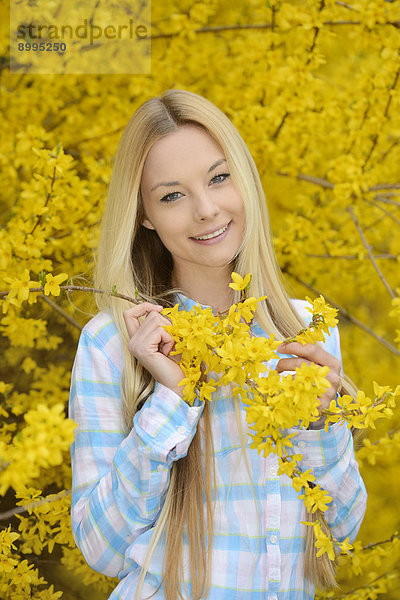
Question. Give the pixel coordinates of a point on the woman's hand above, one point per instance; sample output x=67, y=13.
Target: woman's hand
x=150, y=344
x=311, y=353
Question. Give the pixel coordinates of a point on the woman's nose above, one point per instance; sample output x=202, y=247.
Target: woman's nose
x=205, y=207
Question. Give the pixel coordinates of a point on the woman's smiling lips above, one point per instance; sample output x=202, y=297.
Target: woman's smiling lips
x=213, y=236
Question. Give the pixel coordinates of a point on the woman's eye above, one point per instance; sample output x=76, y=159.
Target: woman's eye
x=220, y=178
x=221, y=175
x=169, y=197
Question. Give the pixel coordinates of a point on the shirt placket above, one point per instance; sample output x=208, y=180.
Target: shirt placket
x=272, y=518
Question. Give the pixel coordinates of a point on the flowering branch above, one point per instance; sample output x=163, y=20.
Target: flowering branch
x=80, y=288
x=60, y=311
x=346, y=315
x=368, y=249
x=18, y=510
x=354, y=256
x=387, y=212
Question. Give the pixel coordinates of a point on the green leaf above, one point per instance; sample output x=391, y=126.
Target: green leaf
x=42, y=278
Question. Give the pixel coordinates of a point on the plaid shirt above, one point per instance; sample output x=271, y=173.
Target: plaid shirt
x=120, y=481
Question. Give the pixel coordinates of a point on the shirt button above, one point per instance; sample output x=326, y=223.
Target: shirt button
x=302, y=444
x=182, y=429
x=273, y=539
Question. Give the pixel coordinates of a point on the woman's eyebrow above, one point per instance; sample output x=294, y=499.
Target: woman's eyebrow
x=219, y=162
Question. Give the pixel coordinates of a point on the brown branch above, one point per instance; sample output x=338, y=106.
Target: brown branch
x=375, y=137
x=60, y=311
x=346, y=6
x=393, y=23
x=317, y=180
x=79, y=288
x=368, y=249
x=354, y=257
x=363, y=587
x=329, y=185
x=384, y=186
x=388, y=433
x=346, y=315
x=278, y=129
x=212, y=30
x=316, y=33
x=219, y=28
x=32, y=505
x=99, y=136
x=387, y=200
x=388, y=150
x=389, y=214
x=49, y=193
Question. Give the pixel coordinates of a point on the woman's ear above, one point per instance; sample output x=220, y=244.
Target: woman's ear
x=146, y=223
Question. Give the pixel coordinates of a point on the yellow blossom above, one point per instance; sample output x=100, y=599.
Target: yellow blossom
x=52, y=285
x=240, y=283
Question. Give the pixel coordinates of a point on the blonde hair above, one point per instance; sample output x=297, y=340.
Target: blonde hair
x=131, y=257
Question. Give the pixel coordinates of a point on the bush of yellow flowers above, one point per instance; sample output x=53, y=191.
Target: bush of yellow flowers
x=313, y=87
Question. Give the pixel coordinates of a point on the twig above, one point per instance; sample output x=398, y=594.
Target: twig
x=389, y=214
x=387, y=200
x=368, y=249
x=354, y=256
x=219, y=28
x=375, y=138
x=32, y=505
x=346, y=315
x=317, y=180
x=278, y=129
x=329, y=185
x=316, y=33
x=72, y=288
x=100, y=136
x=388, y=150
x=363, y=587
x=62, y=312
x=346, y=6
x=388, y=433
x=384, y=186
x=49, y=193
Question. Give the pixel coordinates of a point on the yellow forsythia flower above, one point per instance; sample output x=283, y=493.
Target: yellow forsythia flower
x=52, y=285
x=240, y=283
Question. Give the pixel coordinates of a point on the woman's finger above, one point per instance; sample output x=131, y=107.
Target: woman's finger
x=290, y=364
x=311, y=352
x=133, y=315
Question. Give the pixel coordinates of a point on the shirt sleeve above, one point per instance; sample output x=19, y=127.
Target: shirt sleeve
x=119, y=480
x=330, y=456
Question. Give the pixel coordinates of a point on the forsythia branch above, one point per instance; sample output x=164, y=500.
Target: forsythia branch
x=346, y=315
x=18, y=510
x=60, y=311
x=368, y=249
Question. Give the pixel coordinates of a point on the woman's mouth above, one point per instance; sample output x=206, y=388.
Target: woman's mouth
x=213, y=235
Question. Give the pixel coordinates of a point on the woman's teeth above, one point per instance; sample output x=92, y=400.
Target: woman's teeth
x=212, y=235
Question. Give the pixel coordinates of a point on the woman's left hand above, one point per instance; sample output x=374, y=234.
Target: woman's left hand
x=312, y=353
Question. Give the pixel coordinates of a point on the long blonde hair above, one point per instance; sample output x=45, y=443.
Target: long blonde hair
x=131, y=257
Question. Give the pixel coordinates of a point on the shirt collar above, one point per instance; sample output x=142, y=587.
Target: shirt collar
x=186, y=303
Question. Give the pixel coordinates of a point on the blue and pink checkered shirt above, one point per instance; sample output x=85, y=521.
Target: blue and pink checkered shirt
x=120, y=480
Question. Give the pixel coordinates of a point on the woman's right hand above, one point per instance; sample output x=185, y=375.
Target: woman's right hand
x=150, y=344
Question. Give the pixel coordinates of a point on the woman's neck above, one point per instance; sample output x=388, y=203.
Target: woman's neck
x=210, y=288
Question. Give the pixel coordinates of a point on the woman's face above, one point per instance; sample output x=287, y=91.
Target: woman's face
x=191, y=202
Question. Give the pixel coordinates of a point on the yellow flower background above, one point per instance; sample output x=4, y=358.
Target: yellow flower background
x=313, y=87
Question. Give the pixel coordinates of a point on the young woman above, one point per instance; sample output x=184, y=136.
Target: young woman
x=166, y=496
